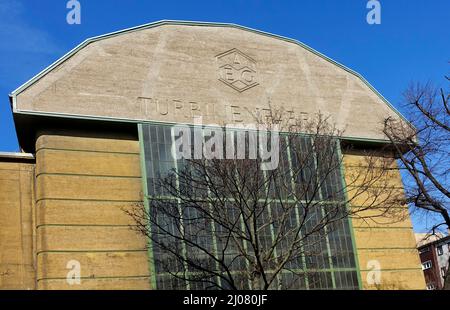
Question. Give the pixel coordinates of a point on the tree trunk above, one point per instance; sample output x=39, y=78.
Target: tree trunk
x=256, y=279
x=447, y=277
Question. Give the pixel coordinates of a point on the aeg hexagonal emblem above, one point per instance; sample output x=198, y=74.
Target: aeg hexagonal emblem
x=237, y=70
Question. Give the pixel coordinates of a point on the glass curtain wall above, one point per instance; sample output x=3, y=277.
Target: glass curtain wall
x=332, y=267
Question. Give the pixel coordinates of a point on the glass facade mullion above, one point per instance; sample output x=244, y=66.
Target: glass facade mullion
x=272, y=230
x=330, y=261
x=213, y=230
x=175, y=163
x=297, y=215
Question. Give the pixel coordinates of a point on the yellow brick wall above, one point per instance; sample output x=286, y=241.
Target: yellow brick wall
x=83, y=186
x=387, y=239
x=17, y=265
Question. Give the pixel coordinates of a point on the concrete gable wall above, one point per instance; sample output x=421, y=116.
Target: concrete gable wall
x=172, y=73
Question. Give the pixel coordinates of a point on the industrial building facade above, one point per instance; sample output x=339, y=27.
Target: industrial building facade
x=94, y=129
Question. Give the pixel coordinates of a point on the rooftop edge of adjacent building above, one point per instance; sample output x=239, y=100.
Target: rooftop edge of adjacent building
x=16, y=157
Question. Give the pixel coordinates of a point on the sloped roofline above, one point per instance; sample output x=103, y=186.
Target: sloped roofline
x=88, y=41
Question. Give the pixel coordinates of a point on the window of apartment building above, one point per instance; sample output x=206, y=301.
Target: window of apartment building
x=440, y=250
x=443, y=271
x=431, y=286
x=427, y=265
x=424, y=250
x=333, y=264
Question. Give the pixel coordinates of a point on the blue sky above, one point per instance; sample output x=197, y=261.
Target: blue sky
x=410, y=44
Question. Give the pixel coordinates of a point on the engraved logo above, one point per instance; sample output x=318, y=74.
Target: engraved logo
x=237, y=70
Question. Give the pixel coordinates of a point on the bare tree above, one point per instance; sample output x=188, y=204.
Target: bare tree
x=424, y=152
x=273, y=229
